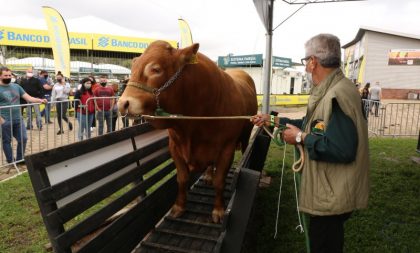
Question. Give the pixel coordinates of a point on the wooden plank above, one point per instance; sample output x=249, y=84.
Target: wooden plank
x=192, y=222
x=39, y=180
x=166, y=248
x=241, y=208
x=136, y=223
x=80, y=181
x=259, y=153
x=53, y=156
x=86, y=201
x=94, y=221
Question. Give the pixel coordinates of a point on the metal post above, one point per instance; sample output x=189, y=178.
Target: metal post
x=267, y=63
x=267, y=74
x=91, y=60
x=3, y=51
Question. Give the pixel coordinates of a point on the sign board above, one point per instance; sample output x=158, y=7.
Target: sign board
x=95, y=70
x=282, y=62
x=404, y=57
x=19, y=67
x=10, y=36
x=239, y=60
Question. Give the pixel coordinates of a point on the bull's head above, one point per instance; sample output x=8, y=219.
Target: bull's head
x=154, y=76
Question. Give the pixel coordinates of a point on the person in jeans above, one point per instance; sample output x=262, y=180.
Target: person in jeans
x=47, y=84
x=375, y=96
x=85, y=110
x=11, y=118
x=60, y=93
x=104, y=105
x=33, y=87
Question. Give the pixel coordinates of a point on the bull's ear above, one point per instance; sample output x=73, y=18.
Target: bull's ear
x=189, y=53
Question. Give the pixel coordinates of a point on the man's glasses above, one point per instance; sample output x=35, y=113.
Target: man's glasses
x=305, y=60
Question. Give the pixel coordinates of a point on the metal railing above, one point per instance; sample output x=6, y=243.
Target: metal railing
x=64, y=128
x=392, y=119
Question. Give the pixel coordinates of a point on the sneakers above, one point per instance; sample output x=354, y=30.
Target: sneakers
x=70, y=126
x=60, y=132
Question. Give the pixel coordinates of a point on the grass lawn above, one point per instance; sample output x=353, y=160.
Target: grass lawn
x=390, y=224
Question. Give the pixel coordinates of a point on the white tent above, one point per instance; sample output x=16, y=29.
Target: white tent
x=48, y=64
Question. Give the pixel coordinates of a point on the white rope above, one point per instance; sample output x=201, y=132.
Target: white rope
x=300, y=226
x=279, y=199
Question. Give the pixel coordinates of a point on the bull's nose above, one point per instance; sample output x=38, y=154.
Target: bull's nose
x=125, y=104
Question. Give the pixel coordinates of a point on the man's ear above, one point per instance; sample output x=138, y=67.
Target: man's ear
x=188, y=54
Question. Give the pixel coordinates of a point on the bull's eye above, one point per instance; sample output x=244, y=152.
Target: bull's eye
x=155, y=70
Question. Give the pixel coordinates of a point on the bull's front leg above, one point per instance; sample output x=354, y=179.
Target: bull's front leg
x=182, y=178
x=222, y=168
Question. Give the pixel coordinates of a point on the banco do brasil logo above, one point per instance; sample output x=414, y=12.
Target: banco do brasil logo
x=1, y=34
x=103, y=41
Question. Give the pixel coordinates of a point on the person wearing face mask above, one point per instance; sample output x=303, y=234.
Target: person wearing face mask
x=12, y=121
x=85, y=110
x=335, y=174
x=104, y=105
x=47, y=84
x=59, y=95
x=33, y=87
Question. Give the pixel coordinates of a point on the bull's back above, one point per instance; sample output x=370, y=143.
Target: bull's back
x=246, y=88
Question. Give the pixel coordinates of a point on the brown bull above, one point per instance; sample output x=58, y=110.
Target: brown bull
x=163, y=76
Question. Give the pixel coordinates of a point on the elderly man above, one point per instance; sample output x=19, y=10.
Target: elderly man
x=334, y=135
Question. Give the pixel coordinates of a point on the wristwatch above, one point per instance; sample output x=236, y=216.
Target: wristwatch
x=299, y=137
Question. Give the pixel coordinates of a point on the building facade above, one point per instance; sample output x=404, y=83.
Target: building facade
x=391, y=58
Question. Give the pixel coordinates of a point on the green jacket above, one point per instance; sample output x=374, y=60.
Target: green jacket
x=329, y=188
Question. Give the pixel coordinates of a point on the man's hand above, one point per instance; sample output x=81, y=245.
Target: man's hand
x=43, y=101
x=290, y=133
x=261, y=120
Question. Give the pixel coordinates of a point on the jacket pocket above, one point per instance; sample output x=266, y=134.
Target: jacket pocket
x=327, y=190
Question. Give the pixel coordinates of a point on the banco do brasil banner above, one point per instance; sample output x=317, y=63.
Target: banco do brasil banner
x=10, y=36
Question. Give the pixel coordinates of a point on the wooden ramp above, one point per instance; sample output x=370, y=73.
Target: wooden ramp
x=133, y=167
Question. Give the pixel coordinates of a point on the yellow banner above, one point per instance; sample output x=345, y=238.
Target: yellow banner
x=10, y=36
x=122, y=44
x=186, y=36
x=285, y=99
x=59, y=40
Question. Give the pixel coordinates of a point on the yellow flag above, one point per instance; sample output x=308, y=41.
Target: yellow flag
x=59, y=39
x=186, y=36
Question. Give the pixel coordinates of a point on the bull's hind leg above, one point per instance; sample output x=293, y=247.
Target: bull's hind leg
x=222, y=168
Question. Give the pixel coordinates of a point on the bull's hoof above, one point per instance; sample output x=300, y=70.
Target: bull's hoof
x=208, y=179
x=217, y=215
x=177, y=211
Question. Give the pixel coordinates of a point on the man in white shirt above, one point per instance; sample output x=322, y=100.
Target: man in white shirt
x=376, y=95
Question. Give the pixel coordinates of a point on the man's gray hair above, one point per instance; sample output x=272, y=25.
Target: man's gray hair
x=325, y=47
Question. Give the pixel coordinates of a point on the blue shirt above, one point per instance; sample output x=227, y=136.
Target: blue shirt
x=10, y=94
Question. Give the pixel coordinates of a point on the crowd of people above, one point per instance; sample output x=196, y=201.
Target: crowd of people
x=94, y=103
